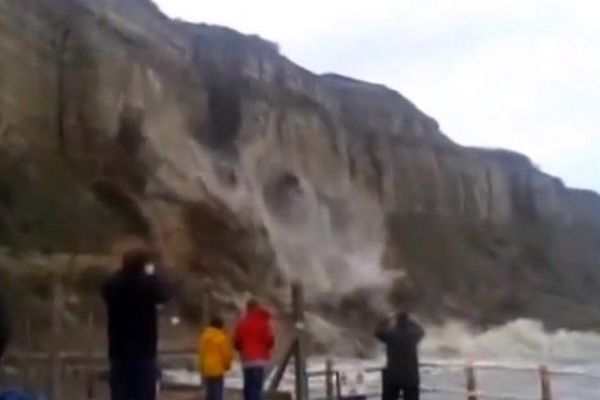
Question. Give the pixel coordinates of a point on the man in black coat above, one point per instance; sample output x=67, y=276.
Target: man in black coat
x=401, y=374
x=132, y=296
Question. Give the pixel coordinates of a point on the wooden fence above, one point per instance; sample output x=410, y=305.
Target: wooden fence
x=471, y=389
x=92, y=369
x=90, y=366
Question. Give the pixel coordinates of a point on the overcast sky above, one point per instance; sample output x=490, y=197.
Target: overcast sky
x=517, y=74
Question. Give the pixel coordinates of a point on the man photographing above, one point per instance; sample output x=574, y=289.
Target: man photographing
x=401, y=336
x=132, y=295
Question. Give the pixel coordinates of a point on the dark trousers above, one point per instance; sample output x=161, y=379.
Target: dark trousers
x=253, y=383
x=409, y=392
x=214, y=388
x=133, y=380
x=392, y=388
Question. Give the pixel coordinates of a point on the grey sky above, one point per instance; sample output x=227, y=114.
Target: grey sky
x=517, y=74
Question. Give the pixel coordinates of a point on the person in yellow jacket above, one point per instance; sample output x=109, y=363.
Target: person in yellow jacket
x=215, y=358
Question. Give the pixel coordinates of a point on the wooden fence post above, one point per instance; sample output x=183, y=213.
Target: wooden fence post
x=57, y=314
x=338, y=385
x=281, y=366
x=471, y=383
x=329, y=375
x=300, y=353
x=206, y=311
x=545, y=383
x=89, y=372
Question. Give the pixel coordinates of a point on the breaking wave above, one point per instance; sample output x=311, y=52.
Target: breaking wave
x=519, y=341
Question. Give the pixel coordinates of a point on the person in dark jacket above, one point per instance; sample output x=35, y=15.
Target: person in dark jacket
x=254, y=340
x=132, y=295
x=401, y=374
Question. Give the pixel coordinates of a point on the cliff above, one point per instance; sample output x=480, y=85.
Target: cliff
x=116, y=122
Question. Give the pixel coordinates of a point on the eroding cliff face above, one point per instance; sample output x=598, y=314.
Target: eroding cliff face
x=245, y=167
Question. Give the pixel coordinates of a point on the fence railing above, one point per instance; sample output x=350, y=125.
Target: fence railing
x=92, y=366
x=470, y=391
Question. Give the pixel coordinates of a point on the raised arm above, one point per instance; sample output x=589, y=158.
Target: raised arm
x=383, y=332
x=158, y=286
x=417, y=331
x=163, y=290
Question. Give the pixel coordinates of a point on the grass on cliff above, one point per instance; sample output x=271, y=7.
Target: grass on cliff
x=45, y=205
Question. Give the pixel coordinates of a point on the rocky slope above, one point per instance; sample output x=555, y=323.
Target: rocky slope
x=116, y=122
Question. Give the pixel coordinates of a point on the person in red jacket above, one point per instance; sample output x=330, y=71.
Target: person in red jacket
x=254, y=341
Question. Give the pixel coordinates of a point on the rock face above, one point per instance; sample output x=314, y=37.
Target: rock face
x=245, y=167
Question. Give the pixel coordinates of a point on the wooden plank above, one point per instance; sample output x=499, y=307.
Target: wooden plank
x=282, y=366
x=182, y=392
x=300, y=352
